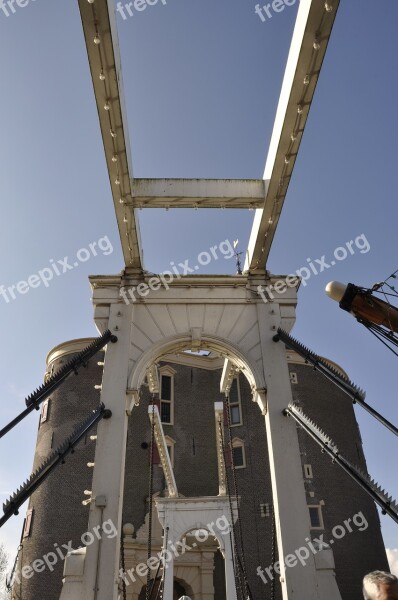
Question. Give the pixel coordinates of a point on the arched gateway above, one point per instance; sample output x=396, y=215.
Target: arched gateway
x=215, y=312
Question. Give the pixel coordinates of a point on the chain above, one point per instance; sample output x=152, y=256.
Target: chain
x=273, y=550
x=123, y=565
x=148, y=577
x=242, y=562
x=238, y=582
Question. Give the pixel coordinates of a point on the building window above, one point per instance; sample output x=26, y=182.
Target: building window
x=235, y=404
x=316, y=518
x=167, y=395
x=293, y=378
x=44, y=411
x=27, y=523
x=170, y=448
x=265, y=510
x=238, y=449
x=308, y=472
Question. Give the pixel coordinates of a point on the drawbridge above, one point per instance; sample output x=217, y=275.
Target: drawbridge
x=221, y=313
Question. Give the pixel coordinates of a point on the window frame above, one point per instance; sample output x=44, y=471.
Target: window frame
x=167, y=371
x=27, y=527
x=170, y=443
x=320, y=515
x=308, y=473
x=238, y=404
x=44, y=411
x=238, y=443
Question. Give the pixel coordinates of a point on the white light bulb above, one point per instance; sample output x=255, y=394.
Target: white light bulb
x=306, y=80
x=113, y=134
x=316, y=45
x=102, y=76
x=293, y=137
x=114, y=158
x=287, y=160
x=90, y=1
x=117, y=181
x=299, y=109
x=328, y=7
x=125, y=220
x=121, y=201
x=97, y=39
x=107, y=106
x=336, y=290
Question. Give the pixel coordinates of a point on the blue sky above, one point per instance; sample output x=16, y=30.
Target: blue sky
x=202, y=82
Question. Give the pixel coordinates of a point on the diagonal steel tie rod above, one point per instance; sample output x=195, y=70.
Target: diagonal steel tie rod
x=34, y=400
x=380, y=496
x=356, y=394
x=11, y=506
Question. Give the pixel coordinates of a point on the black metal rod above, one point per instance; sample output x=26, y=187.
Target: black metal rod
x=345, y=386
x=346, y=466
x=356, y=399
x=58, y=456
x=34, y=400
x=154, y=581
x=17, y=419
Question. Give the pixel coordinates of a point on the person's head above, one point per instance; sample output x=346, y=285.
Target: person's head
x=379, y=585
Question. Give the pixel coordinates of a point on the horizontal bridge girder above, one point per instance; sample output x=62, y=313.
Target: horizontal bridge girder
x=198, y=193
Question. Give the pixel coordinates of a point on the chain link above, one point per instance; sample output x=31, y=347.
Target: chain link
x=152, y=448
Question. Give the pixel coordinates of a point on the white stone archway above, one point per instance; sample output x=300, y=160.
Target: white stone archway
x=205, y=516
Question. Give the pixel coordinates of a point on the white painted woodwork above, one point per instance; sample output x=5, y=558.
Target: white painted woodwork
x=160, y=440
x=313, y=24
x=197, y=193
x=110, y=452
x=184, y=515
x=219, y=424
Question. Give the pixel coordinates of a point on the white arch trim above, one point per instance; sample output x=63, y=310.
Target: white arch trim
x=179, y=343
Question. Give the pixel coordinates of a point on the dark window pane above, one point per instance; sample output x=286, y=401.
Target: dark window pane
x=165, y=412
x=238, y=456
x=233, y=393
x=235, y=415
x=166, y=387
x=314, y=516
